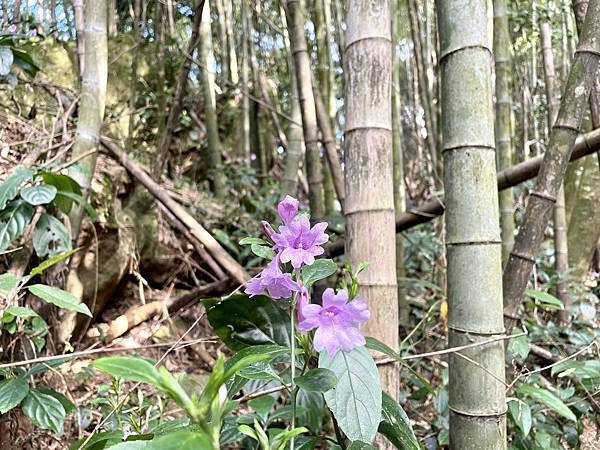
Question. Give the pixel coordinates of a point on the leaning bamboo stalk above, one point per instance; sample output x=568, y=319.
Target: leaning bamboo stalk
x=330, y=148
x=561, y=262
x=564, y=132
x=197, y=230
x=584, y=145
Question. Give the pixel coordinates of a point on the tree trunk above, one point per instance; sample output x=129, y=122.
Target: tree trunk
x=584, y=233
x=543, y=197
x=502, y=56
x=182, y=80
x=223, y=45
x=295, y=148
x=17, y=9
x=170, y=16
x=112, y=18
x=561, y=262
x=91, y=116
x=398, y=160
x=295, y=19
x=245, y=84
x=210, y=105
x=231, y=55
x=52, y=14
x=369, y=173
x=80, y=37
x=137, y=35
x=476, y=388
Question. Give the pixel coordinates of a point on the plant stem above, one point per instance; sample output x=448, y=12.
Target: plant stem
x=293, y=355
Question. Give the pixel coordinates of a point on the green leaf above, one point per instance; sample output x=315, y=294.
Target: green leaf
x=521, y=414
x=311, y=410
x=359, y=445
x=12, y=392
x=60, y=298
x=50, y=262
x=240, y=321
x=545, y=298
x=317, y=380
x=51, y=237
x=263, y=251
x=8, y=282
x=519, y=346
x=129, y=368
x=549, y=399
x=262, y=406
x=10, y=187
x=320, y=269
x=25, y=61
x=260, y=370
x=98, y=441
x=13, y=221
x=40, y=194
x=253, y=240
x=67, y=404
x=395, y=425
x=357, y=398
x=64, y=185
x=20, y=311
x=578, y=369
x=44, y=411
x=81, y=201
x=181, y=440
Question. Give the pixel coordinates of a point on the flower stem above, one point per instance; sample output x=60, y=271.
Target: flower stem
x=293, y=357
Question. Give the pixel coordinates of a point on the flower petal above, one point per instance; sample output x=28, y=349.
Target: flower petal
x=287, y=209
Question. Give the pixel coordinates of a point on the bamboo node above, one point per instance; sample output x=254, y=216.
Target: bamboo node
x=543, y=196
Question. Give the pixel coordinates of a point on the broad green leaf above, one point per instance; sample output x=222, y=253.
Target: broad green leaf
x=357, y=397
x=544, y=297
x=317, y=380
x=129, y=445
x=20, y=311
x=578, y=369
x=320, y=269
x=40, y=194
x=98, y=441
x=6, y=60
x=311, y=410
x=64, y=184
x=240, y=321
x=305, y=443
x=10, y=187
x=180, y=440
x=51, y=237
x=262, y=406
x=50, y=262
x=395, y=425
x=8, y=282
x=77, y=198
x=44, y=411
x=13, y=221
x=12, y=392
x=25, y=61
x=359, y=445
x=549, y=399
x=67, y=404
x=60, y=298
x=252, y=240
x=263, y=251
x=519, y=346
x=129, y=368
x=260, y=370
x=521, y=414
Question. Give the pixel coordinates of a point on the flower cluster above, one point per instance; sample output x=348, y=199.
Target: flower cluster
x=296, y=242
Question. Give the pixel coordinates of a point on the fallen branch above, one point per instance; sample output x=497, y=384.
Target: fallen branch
x=585, y=144
x=141, y=313
x=162, y=195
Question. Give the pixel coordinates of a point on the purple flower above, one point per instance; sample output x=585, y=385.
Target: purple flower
x=287, y=209
x=336, y=321
x=12, y=28
x=299, y=243
x=267, y=228
x=272, y=280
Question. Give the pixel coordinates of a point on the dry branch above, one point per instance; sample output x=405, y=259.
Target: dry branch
x=162, y=195
x=585, y=144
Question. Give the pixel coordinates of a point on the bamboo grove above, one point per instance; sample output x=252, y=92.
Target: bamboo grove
x=304, y=224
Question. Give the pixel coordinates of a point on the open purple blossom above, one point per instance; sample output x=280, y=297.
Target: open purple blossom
x=336, y=321
x=273, y=281
x=298, y=243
